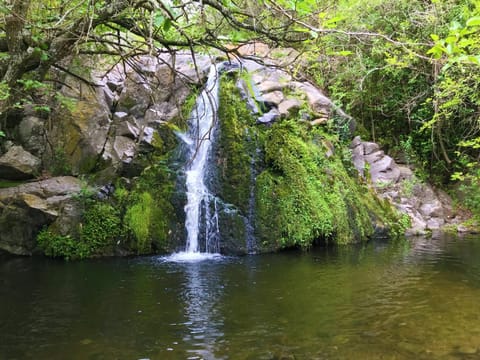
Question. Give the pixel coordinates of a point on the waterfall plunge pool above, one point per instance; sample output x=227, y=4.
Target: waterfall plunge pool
x=416, y=299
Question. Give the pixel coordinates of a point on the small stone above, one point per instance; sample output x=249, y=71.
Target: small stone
x=319, y=121
x=269, y=117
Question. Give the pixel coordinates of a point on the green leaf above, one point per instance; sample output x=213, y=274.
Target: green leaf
x=345, y=53
x=434, y=37
x=473, y=21
x=167, y=24
x=158, y=19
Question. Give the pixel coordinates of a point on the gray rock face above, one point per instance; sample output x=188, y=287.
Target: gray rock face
x=26, y=209
x=31, y=134
x=428, y=209
x=18, y=164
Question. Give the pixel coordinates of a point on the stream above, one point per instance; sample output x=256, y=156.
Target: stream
x=409, y=299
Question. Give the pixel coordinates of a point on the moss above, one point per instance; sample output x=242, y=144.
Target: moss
x=9, y=183
x=139, y=218
x=306, y=187
x=149, y=214
x=303, y=195
x=234, y=146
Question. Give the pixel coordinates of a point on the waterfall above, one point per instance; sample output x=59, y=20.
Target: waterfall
x=201, y=208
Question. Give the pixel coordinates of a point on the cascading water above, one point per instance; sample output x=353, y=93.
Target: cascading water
x=200, y=210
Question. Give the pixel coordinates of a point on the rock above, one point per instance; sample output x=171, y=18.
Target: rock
x=119, y=116
x=110, y=97
x=357, y=141
x=31, y=134
x=127, y=129
x=271, y=79
x=135, y=97
x=18, y=164
x=382, y=168
x=191, y=70
x=273, y=98
x=358, y=158
x=319, y=121
x=26, y=209
x=435, y=223
x=124, y=148
x=405, y=172
x=287, y=107
x=147, y=137
x=270, y=86
x=316, y=99
x=432, y=209
x=255, y=101
x=376, y=156
x=269, y=117
x=418, y=225
x=370, y=147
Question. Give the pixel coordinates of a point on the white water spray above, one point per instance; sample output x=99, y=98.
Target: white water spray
x=199, y=139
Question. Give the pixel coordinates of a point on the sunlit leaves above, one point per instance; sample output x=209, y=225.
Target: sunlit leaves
x=473, y=21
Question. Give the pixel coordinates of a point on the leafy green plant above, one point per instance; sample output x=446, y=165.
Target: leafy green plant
x=64, y=246
x=101, y=226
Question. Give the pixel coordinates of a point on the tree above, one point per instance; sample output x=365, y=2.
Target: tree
x=41, y=36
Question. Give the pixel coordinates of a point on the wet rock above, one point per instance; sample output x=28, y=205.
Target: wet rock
x=18, y=164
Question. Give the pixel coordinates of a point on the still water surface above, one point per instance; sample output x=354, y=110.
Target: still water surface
x=417, y=299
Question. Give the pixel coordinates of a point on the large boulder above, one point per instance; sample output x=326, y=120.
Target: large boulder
x=26, y=209
x=18, y=164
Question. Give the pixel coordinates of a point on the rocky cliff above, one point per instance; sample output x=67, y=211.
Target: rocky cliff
x=284, y=173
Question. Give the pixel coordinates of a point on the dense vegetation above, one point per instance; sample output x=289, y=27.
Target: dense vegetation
x=306, y=188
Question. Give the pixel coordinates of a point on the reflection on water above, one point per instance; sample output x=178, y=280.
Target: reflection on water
x=200, y=296
x=414, y=299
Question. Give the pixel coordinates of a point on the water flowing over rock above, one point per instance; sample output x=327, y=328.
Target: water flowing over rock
x=201, y=208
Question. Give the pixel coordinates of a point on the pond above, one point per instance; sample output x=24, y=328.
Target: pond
x=409, y=299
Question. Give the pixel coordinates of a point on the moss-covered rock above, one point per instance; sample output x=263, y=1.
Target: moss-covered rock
x=301, y=178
